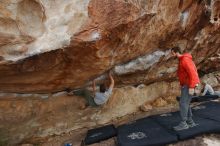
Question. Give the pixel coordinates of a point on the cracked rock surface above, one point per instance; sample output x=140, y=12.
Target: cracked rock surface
x=47, y=46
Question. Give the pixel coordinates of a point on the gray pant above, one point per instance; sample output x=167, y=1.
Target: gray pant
x=87, y=95
x=184, y=103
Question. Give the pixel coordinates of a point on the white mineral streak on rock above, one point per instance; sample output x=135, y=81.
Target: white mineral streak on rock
x=141, y=63
x=95, y=36
x=62, y=93
x=100, y=78
x=184, y=17
x=166, y=71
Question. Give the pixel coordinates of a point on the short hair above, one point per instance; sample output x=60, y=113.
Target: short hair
x=176, y=50
x=102, y=88
x=204, y=82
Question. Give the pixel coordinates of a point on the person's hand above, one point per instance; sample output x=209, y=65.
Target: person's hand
x=191, y=91
x=197, y=90
x=110, y=75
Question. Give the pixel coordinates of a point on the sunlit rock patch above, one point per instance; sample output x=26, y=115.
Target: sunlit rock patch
x=30, y=27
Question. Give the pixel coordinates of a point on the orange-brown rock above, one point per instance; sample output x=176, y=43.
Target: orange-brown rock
x=159, y=102
x=49, y=46
x=146, y=107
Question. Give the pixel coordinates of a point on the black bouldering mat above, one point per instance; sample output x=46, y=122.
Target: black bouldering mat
x=207, y=98
x=100, y=134
x=194, y=99
x=209, y=110
x=143, y=132
x=201, y=98
x=169, y=120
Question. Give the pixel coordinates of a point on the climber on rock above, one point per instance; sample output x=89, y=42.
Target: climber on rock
x=94, y=98
x=189, y=80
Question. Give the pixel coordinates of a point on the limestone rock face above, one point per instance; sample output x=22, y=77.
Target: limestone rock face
x=47, y=46
x=28, y=118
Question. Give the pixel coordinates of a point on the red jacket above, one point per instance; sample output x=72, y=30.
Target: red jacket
x=187, y=71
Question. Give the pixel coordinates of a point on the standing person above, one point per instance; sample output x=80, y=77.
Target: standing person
x=189, y=79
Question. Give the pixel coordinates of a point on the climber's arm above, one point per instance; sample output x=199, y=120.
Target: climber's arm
x=94, y=87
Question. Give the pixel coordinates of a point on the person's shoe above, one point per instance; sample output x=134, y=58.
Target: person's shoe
x=191, y=123
x=182, y=126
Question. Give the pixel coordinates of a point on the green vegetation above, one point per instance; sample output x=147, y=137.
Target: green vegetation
x=3, y=142
x=3, y=138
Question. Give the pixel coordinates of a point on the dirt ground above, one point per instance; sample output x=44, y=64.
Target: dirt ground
x=76, y=137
